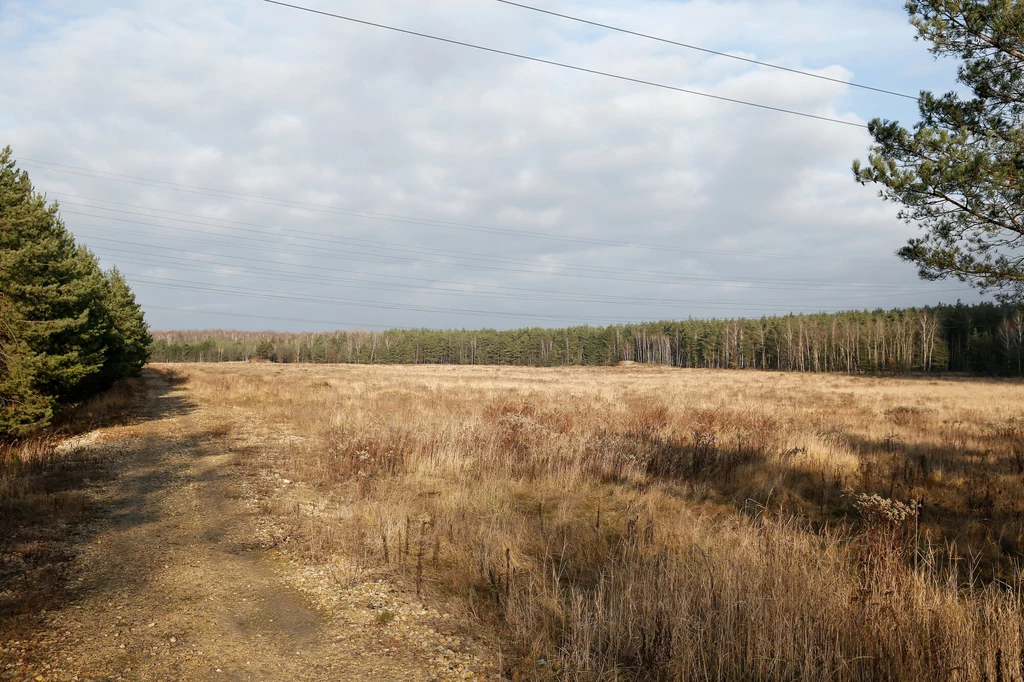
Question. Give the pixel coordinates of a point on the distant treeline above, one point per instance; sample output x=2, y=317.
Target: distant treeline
x=984, y=338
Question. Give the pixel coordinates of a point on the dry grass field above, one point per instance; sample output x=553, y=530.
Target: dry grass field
x=660, y=524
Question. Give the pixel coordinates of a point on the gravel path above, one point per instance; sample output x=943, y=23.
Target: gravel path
x=174, y=583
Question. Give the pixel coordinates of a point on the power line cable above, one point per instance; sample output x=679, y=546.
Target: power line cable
x=164, y=261
x=299, y=278
x=188, y=285
x=515, y=291
x=476, y=262
x=305, y=266
x=517, y=233
x=218, y=313
x=387, y=246
x=390, y=259
x=708, y=51
x=642, y=277
x=411, y=220
x=566, y=66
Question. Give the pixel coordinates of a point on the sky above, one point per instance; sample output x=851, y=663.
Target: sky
x=252, y=166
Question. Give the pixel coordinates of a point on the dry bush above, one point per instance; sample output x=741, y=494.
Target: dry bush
x=664, y=524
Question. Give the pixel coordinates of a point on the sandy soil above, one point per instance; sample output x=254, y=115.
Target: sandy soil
x=176, y=579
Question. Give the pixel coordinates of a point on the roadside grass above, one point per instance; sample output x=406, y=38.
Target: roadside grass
x=43, y=495
x=658, y=524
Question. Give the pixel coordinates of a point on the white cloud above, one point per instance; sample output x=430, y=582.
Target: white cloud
x=262, y=100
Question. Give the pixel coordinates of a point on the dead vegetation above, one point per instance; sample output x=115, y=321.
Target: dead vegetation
x=639, y=523
x=43, y=497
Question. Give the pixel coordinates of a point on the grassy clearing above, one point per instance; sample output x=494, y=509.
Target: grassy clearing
x=646, y=523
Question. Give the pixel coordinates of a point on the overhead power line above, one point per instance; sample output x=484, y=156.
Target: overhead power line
x=189, y=285
x=219, y=313
x=412, y=220
x=563, y=65
x=308, y=276
x=708, y=51
x=387, y=254
x=263, y=274
x=696, y=280
x=307, y=235
x=204, y=265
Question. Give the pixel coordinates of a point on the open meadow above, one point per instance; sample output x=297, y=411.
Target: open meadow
x=650, y=523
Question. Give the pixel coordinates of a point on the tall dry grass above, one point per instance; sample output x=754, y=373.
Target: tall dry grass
x=665, y=524
x=44, y=497
x=20, y=459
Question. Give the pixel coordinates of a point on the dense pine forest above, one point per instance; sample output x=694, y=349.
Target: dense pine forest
x=983, y=339
x=68, y=329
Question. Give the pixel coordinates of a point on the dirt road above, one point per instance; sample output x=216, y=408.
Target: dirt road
x=175, y=581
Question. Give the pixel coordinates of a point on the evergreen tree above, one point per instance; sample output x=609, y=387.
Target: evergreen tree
x=55, y=287
x=265, y=350
x=958, y=173
x=128, y=340
x=21, y=407
x=68, y=329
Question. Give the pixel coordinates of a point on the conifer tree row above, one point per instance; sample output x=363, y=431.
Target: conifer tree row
x=983, y=339
x=67, y=328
